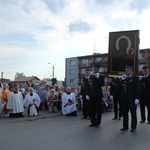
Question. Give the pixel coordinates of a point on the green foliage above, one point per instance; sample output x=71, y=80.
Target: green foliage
x=54, y=81
x=18, y=75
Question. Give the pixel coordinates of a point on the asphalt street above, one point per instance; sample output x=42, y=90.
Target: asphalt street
x=57, y=132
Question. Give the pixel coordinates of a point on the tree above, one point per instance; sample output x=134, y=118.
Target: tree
x=18, y=75
x=54, y=81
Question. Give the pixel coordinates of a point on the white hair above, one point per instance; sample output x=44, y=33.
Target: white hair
x=30, y=88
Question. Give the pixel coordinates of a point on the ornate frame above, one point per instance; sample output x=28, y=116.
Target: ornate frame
x=123, y=51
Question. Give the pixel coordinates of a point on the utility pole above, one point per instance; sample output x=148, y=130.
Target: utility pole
x=52, y=69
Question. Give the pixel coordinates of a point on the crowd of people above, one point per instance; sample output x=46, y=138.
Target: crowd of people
x=33, y=97
x=94, y=96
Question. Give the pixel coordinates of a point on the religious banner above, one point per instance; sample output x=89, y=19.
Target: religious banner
x=123, y=51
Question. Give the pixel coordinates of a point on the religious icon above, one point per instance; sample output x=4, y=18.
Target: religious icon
x=123, y=51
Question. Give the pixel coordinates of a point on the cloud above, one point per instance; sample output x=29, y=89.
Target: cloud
x=103, y=2
x=80, y=26
x=55, y=5
x=35, y=32
x=139, y=6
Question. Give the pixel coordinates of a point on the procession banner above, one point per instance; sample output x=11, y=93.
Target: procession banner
x=123, y=51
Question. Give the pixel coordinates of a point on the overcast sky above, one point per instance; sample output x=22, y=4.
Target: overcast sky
x=35, y=32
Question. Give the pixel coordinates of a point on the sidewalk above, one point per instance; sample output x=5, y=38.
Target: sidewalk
x=42, y=114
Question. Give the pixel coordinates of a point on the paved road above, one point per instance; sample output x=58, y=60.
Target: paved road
x=56, y=132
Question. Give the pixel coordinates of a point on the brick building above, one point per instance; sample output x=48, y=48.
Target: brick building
x=75, y=66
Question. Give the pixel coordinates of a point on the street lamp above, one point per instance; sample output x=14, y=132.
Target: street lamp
x=52, y=69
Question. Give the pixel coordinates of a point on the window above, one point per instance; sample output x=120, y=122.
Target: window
x=73, y=81
x=72, y=72
x=99, y=59
x=105, y=59
x=102, y=69
x=84, y=61
x=105, y=69
x=73, y=62
x=141, y=55
x=82, y=71
x=141, y=66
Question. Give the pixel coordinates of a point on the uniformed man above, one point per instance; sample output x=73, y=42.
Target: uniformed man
x=145, y=95
x=95, y=94
x=84, y=94
x=130, y=95
x=115, y=91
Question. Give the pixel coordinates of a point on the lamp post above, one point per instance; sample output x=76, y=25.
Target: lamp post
x=52, y=69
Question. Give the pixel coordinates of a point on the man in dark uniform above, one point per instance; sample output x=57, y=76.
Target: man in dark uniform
x=115, y=91
x=145, y=95
x=130, y=95
x=85, y=96
x=95, y=93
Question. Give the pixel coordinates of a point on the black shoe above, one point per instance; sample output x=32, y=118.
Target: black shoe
x=132, y=130
x=20, y=115
x=142, y=121
x=123, y=129
x=97, y=125
x=92, y=125
x=119, y=118
x=114, y=118
x=148, y=122
x=84, y=118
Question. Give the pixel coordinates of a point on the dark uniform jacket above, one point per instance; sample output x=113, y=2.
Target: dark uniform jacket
x=85, y=87
x=96, y=84
x=130, y=88
x=145, y=87
x=115, y=89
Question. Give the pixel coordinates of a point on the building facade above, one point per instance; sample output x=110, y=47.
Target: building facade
x=72, y=71
x=144, y=58
x=75, y=67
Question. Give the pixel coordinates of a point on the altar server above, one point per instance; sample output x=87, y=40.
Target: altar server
x=69, y=103
x=32, y=102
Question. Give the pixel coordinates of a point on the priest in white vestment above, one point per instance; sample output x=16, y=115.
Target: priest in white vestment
x=32, y=102
x=69, y=103
x=15, y=103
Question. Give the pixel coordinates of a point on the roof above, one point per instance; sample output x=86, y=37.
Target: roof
x=26, y=79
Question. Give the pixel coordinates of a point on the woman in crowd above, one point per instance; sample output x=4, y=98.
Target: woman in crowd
x=42, y=96
x=52, y=101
